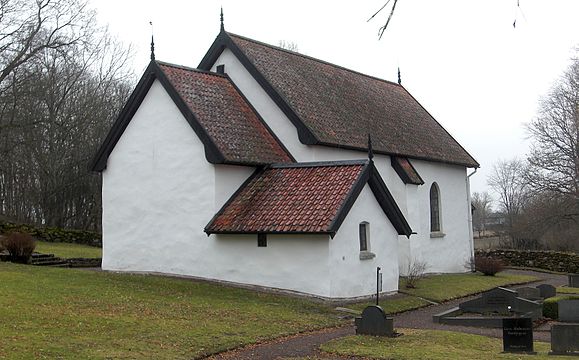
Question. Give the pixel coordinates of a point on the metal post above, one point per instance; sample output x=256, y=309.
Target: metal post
x=377, y=285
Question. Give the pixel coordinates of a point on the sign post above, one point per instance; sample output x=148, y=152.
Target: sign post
x=378, y=284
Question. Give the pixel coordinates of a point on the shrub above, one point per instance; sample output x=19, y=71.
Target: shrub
x=551, y=306
x=19, y=246
x=415, y=272
x=488, y=266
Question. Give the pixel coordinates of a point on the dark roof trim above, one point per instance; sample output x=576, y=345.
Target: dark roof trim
x=319, y=163
x=474, y=163
x=153, y=71
x=306, y=137
x=381, y=152
x=270, y=232
x=371, y=176
x=388, y=204
x=223, y=41
x=256, y=173
x=265, y=125
x=99, y=162
x=404, y=176
x=350, y=199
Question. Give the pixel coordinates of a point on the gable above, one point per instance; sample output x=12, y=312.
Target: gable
x=231, y=130
x=333, y=106
x=303, y=198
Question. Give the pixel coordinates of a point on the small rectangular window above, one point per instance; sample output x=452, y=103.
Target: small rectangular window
x=364, y=236
x=261, y=240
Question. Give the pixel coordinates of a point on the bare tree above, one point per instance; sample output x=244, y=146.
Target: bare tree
x=482, y=207
x=382, y=29
x=507, y=181
x=554, y=157
x=54, y=111
x=29, y=26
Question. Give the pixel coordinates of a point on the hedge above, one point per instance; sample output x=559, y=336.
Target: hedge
x=53, y=234
x=548, y=260
x=551, y=306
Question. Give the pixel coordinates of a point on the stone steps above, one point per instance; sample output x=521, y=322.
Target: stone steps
x=48, y=260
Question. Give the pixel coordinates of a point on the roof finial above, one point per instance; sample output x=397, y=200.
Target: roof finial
x=370, y=151
x=222, y=26
x=152, y=42
x=399, y=78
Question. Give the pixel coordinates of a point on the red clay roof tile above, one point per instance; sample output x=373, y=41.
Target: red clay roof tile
x=340, y=106
x=226, y=116
x=287, y=199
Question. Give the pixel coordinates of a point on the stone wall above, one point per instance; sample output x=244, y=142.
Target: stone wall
x=548, y=260
x=53, y=234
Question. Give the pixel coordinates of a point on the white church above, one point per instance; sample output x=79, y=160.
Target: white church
x=256, y=168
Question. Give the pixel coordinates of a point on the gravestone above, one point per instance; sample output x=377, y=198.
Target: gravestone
x=547, y=291
x=529, y=293
x=574, y=280
x=503, y=302
x=496, y=300
x=518, y=335
x=569, y=311
x=565, y=339
x=374, y=322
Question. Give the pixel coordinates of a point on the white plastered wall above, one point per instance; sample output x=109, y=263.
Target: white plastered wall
x=350, y=276
x=450, y=252
x=442, y=254
x=153, y=210
x=159, y=192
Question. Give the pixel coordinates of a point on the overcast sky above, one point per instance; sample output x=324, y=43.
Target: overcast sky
x=463, y=60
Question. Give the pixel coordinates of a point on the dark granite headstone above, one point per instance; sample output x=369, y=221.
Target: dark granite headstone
x=547, y=290
x=496, y=300
x=565, y=339
x=574, y=280
x=569, y=311
x=518, y=335
x=529, y=293
x=374, y=322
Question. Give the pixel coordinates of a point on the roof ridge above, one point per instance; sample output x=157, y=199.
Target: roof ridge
x=187, y=68
x=312, y=164
x=314, y=59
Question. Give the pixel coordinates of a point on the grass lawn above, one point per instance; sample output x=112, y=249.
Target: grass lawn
x=68, y=251
x=393, y=305
x=431, y=344
x=76, y=314
x=451, y=286
x=567, y=290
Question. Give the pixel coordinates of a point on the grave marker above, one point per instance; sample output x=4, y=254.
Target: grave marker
x=569, y=311
x=547, y=291
x=374, y=322
x=518, y=335
x=564, y=339
x=529, y=293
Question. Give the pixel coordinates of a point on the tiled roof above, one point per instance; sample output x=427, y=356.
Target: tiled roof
x=225, y=115
x=406, y=171
x=299, y=198
x=339, y=107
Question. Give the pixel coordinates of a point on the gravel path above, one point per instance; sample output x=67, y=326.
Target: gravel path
x=303, y=345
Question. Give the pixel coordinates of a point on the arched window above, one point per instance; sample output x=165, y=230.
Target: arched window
x=434, y=208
